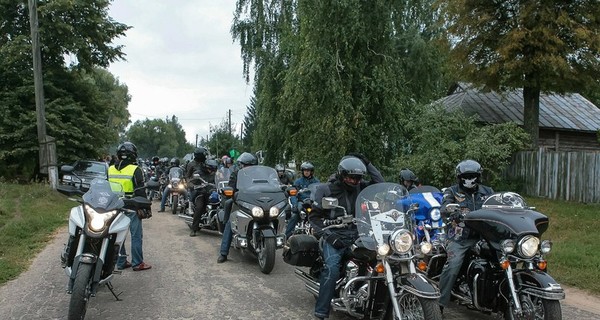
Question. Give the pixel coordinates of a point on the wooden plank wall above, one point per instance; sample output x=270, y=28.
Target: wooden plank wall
x=563, y=175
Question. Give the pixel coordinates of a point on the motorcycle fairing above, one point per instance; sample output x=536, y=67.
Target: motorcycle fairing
x=76, y=219
x=539, y=283
x=120, y=225
x=499, y=224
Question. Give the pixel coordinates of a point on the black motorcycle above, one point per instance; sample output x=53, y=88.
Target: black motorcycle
x=505, y=272
x=177, y=190
x=258, y=214
x=209, y=220
x=378, y=279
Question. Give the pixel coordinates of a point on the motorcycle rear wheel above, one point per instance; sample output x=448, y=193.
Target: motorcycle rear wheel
x=266, y=255
x=81, y=292
x=415, y=308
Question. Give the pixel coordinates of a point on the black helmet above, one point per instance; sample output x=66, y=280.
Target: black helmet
x=200, y=154
x=468, y=174
x=127, y=150
x=407, y=175
x=155, y=159
x=352, y=167
x=307, y=166
x=175, y=162
x=211, y=164
x=279, y=167
x=246, y=159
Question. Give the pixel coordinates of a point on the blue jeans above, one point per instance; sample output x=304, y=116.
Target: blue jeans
x=227, y=238
x=166, y=193
x=332, y=258
x=137, y=255
x=294, y=219
x=456, y=252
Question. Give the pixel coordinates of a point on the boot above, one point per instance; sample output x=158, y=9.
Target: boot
x=193, y=233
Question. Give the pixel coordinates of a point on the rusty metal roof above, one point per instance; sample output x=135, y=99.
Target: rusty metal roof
x=563, y=112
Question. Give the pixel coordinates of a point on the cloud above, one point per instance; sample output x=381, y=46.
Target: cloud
x=181, y=60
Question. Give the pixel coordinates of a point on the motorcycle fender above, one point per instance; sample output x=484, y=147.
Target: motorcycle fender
x=539, y=283
x=76, y=219
x=267, y=233
x=418, y=285
x=120, y=226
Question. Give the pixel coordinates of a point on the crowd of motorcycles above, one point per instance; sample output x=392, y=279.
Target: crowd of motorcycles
x=394, y=266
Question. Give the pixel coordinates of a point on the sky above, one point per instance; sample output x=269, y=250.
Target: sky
x=182, y=61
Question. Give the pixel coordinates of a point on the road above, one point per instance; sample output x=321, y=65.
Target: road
x=184, y=283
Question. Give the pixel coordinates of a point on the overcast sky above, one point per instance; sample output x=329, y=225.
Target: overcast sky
x=182, y=61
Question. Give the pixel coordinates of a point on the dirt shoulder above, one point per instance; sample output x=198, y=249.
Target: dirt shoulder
x=582, y=299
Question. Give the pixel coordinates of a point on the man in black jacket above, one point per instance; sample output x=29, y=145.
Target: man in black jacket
x=345, y=187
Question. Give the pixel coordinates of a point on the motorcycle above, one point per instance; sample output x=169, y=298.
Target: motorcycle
x=209, y=220
x=177, y=191
x=430, y=228
x=505, y=272
x=303, y=225
x=97, y=230
x=378, y=278
x=258, y=214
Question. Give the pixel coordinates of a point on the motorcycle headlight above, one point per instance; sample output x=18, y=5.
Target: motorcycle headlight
x=435, y=214
x=528, y=246
x=169, y=186
x=401, y=241
x=425, y=247
x=67, y=178
x=273, y=212
x=384, y=250
x=257, y=212
x=546, y=246
x=181, y=186
x=507, y=246
x=98, y=221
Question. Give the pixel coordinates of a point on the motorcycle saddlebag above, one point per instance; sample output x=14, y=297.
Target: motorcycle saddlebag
x=301, y=250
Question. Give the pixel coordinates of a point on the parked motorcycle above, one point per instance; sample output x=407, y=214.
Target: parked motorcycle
x=97, y=230
x=379, y=279
x=177, y=191
x=505, y=272
x=258, y=215
x=209, y=220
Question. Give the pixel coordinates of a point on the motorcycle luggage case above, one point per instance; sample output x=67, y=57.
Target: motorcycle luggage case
x=301, y=250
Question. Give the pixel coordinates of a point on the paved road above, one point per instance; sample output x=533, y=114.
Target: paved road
x=184, y=283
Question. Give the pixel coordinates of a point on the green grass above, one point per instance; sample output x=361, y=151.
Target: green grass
x=29, y=216
x=575, y=233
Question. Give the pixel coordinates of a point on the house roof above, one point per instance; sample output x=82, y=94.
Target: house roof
x=562, y=112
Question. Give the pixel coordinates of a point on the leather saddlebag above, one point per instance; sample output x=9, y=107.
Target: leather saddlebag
x=301, y=250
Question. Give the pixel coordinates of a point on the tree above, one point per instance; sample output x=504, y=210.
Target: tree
x=157, y=137
x=539, y=46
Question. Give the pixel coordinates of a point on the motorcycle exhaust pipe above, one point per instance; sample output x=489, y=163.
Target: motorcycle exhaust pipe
x=311, y=285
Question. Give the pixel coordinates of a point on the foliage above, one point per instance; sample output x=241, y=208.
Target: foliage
x=85, y=105
x=221, y=140
x=29, y=216
x=539, y=46
x=157, y=137
x=445, y=139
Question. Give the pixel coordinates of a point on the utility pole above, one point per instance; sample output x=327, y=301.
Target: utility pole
x=196, y=140
x=229, y=122
x=47, y=144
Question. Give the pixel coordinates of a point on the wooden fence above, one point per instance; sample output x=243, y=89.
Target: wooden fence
x=564, y=175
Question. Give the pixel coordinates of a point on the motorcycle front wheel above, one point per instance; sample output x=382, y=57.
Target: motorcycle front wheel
x=266, y=255
x=535, y=308
x=81, y=292
x=175, y=203
x=415, y=308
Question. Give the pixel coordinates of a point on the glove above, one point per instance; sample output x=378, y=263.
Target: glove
x=361, y=157
x=336, y=241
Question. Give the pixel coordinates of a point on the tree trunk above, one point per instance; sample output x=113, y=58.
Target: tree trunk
x=531, y=114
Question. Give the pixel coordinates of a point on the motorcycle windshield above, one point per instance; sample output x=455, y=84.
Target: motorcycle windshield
x=175, y=173
x=378, y=213
x=104, y=195
x=257, y=179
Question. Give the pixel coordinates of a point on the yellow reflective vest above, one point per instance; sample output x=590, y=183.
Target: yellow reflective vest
x=123, y=177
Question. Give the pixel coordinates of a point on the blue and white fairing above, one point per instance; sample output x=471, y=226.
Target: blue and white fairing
x=429, y=200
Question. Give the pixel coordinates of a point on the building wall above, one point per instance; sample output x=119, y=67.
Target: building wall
x=568, y=140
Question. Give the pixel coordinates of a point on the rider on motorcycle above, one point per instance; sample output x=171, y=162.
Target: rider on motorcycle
x=174, y=165
x=283, y=177
x=244, y=160
x=307, y=178
x=408, y=179
x=469, y=194
x=346, y=186
x=200, y=196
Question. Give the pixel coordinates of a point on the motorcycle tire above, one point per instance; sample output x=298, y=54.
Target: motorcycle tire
x=81, y=292
x=266, y=256
x=174, y=204
x=413, y=307
x=539, y=307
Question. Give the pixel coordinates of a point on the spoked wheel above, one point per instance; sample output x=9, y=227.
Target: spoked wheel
x=266, y=255
x=416, y=308
x=81, y=292
x=534, y=308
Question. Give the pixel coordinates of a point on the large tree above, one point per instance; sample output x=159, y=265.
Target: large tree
x=540, y=46
x=157, y=137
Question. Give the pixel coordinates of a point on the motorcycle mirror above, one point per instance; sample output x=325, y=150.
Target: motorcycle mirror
x=66, y=168
x=329, y=203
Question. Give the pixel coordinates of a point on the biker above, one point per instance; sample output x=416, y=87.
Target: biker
x=173, y=165
x=224, y=171
x=469, y=194
x=345, y=187
x=283, y=178
x=307, y=178
x=246, y=159
x=200, y=196
x=408, y=179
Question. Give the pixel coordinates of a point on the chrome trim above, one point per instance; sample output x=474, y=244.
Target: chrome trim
x=475, y=295
x=558, y=295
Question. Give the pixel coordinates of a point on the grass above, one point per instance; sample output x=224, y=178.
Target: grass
x=575, y=233
x=29, y=216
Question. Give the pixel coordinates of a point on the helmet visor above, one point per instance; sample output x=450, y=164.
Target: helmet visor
x=353, y=179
